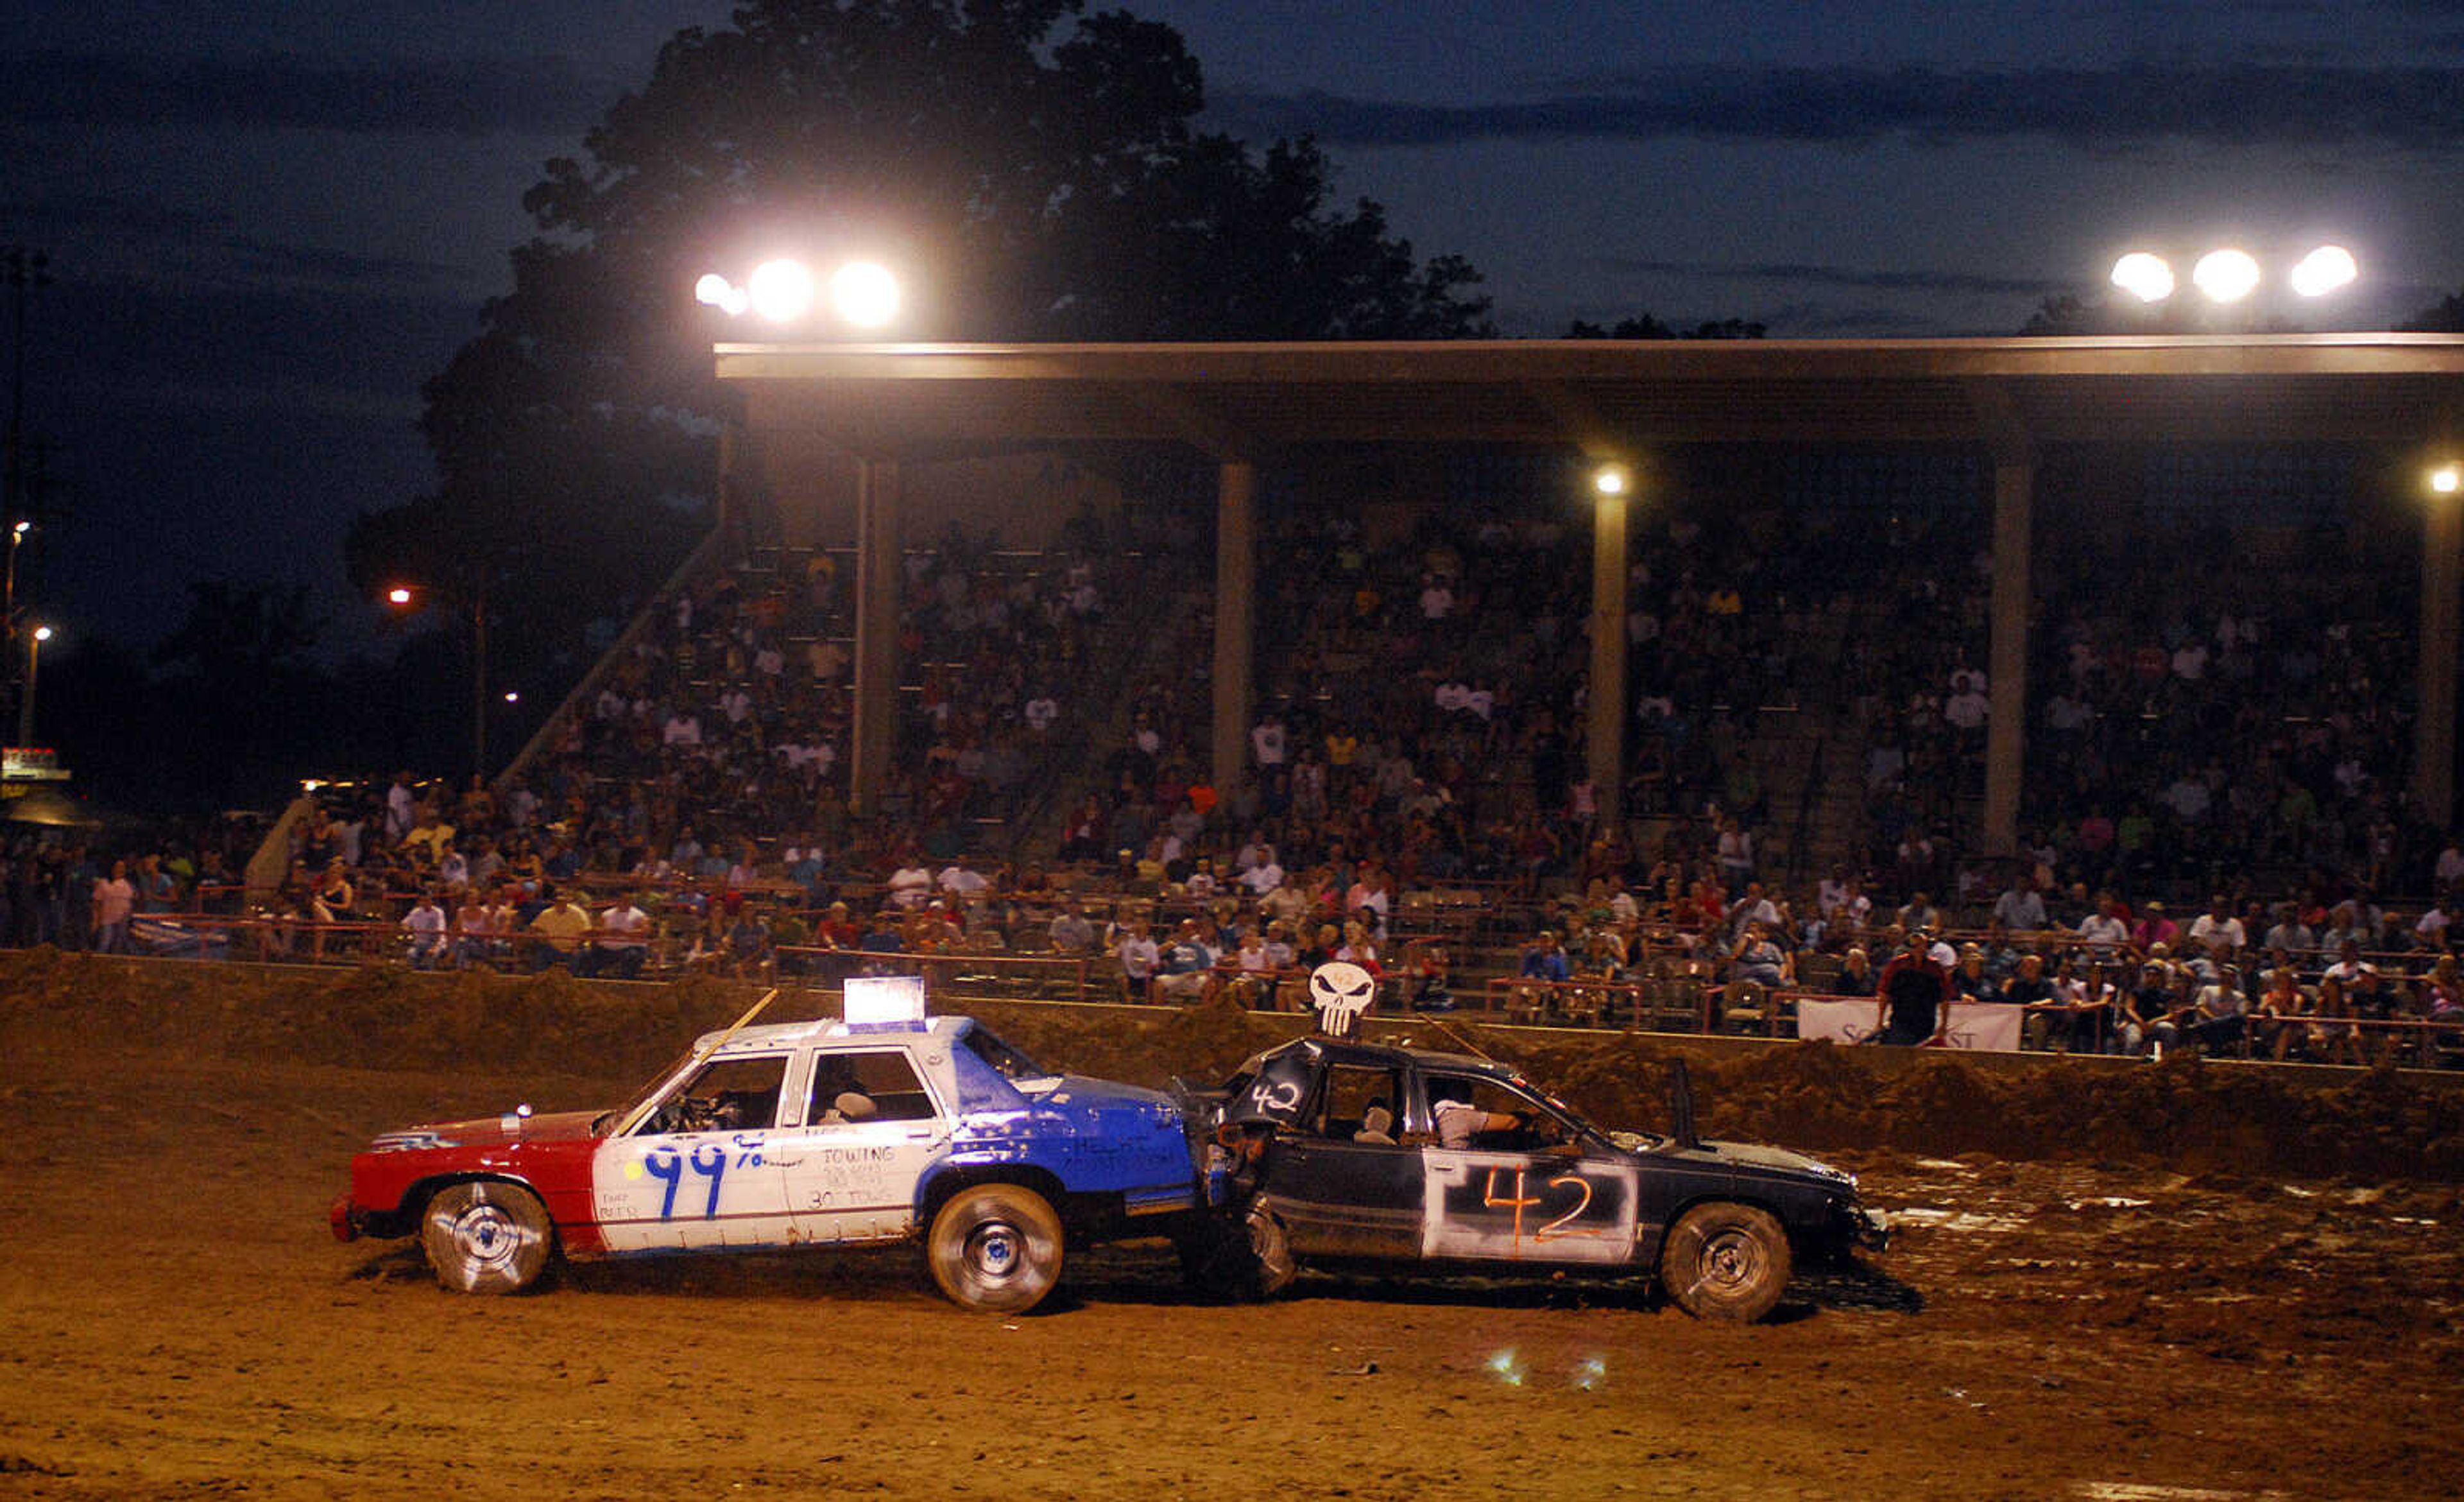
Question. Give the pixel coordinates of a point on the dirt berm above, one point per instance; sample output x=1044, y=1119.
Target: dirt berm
x=2222, y=1118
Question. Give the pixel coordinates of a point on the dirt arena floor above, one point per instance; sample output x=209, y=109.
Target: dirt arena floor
x=2106, y=1283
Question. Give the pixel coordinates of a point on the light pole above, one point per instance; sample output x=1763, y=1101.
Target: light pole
x=34, y=640
x=405, y=597
x=2442, y=634
x=9, y=609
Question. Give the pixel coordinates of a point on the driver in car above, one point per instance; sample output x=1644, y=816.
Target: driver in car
x=1458, y=1120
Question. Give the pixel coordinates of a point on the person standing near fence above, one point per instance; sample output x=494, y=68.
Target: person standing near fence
x=1912, y=1004
x=115, y=898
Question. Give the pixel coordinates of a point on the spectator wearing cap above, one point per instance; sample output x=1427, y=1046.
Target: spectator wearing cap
x=2154, y=928
x=1969, y=978
x=838, y=929
x=1546, y=960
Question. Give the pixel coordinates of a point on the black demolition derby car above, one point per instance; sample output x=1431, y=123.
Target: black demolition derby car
x=1360, y=1154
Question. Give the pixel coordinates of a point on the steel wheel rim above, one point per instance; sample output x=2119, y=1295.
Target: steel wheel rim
x=485, y=1236
x=1729, y=1261
x=996, y=1251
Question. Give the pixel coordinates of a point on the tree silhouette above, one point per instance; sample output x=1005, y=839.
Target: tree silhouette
x=1645, y=327
x=2447, y=316
x=1035, y=172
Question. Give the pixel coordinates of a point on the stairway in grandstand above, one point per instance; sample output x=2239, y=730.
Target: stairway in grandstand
x=1816, y=752
x=1139, y=641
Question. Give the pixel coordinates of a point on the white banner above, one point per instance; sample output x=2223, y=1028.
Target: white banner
x=1973, y=1025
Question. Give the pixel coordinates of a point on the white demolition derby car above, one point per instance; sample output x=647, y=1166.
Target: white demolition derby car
x=875, y=1129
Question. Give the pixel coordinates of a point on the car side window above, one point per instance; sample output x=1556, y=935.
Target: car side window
x=877, y=1085
x=1359, y=1104
x=1488, y=1114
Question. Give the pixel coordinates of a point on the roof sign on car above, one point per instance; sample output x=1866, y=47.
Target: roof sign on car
x=884, y=1001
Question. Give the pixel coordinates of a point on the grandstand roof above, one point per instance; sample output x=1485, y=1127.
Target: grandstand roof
x=1611, y=397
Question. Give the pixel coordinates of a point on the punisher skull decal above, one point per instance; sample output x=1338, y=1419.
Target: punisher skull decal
x=1340, y=991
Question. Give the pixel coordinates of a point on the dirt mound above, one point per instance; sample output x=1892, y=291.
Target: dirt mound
x=2218, y=1119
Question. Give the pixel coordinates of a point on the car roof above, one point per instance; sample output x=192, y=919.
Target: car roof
x=771, y=1036
x=1386, y=1055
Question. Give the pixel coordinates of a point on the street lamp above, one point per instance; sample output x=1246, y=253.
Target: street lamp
x=405, y=597
x=34, y=640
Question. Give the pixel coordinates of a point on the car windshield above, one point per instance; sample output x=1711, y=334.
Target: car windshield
x=1007, y=1059
x=1572, y=1119
x=605, y=1122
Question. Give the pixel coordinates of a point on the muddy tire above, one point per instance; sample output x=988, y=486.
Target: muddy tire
x=1725, y=1261
x=486, y=1237
x=996, y=1249
x=1272, y=1268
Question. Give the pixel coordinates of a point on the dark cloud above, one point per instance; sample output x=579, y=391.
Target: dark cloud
x=1798, y=274
x=463, y=96
x=2247, y=105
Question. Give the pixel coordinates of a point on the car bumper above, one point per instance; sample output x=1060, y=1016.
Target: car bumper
x=339, y=1217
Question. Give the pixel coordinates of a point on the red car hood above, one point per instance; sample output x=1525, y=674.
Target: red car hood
x=490, y=1132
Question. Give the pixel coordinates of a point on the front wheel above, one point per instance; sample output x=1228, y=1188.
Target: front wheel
x=486, y=1237
x=1725, y=1261
x=996, y=1249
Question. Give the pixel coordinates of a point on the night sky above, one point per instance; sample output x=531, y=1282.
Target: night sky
x=270, y=222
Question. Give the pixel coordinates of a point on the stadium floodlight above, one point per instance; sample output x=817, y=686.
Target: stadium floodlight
x=2323, y=271
x=2226, y=275
x=865, y=293
x=781, y=290
x=2143, y=275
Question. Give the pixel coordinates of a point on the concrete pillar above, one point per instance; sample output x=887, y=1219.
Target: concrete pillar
x=2005, y=732
x=880, y=569
x=2433, y=753
x=1236, y=584
x=1604, y=730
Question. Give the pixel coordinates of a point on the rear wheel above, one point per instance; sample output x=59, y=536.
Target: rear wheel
x=1725, y=1261
x=996, y=1249
x=486, y=1237
x=1271, y=1252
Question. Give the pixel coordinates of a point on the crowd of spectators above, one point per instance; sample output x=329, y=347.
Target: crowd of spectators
x=2187, y=721
x=2239, y=731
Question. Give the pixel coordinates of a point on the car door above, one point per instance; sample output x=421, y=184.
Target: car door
x=1521, y=1197
x=694, y=1174
x=870, y=1126
x=1340, y=1178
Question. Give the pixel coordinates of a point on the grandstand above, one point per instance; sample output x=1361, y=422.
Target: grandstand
x=2133, y=617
